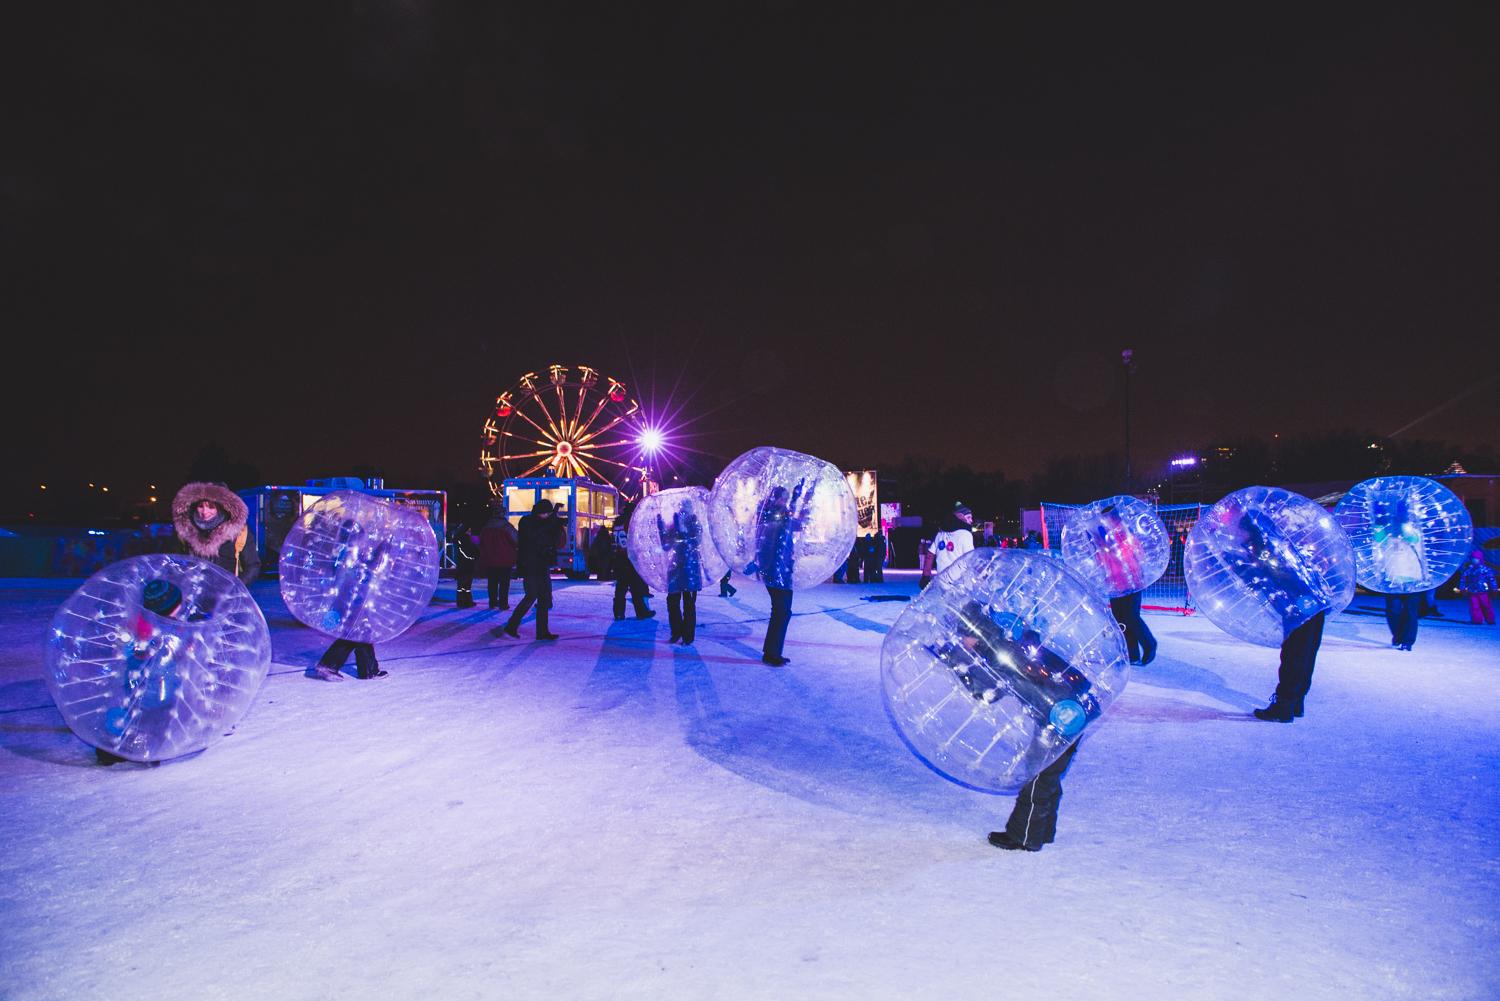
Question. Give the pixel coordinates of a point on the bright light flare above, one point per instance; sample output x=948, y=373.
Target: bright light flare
x=651, y=441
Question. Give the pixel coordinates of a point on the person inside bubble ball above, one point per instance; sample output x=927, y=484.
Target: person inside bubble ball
x=1398, y=542
x=777, y=528
x=949, y=545
x=354, y=571
x=1120, y=551
x=1263, y=559
x=997, y=653
x=682, y=542
x=149, y=675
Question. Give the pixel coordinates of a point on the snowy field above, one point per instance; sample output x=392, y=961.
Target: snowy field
x=610, y=817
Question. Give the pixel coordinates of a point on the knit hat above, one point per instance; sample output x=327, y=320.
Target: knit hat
x=161, y=596
x=962, y=508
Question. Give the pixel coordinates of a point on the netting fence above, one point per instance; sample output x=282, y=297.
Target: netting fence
x=1170, y=593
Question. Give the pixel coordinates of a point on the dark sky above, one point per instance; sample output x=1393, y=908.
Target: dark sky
x=329, y=234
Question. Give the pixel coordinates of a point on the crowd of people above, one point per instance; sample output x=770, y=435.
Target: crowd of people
x=211, y=522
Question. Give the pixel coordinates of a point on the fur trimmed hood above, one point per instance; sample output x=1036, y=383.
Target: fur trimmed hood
x=207, y=543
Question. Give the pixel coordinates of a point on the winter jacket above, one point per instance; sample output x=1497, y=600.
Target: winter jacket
x=536, y=544
x=620, y=567
x=682, y=541
x=1477, y=578
x=225, y=541
x=497, y=544
x=600, y=553
x=774, y=549
x=464, y=550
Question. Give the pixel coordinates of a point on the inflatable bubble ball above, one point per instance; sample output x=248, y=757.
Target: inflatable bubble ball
x=359, y=568
x=156, y=656
x=1263, y=561
x=1004, y=660
x=1119, y=545
x=670, y=543
x=1409, y=533
x=786, y=516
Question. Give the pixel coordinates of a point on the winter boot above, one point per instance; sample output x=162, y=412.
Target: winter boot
x=542, y=632
x=1276, y=712
x=1001, y=839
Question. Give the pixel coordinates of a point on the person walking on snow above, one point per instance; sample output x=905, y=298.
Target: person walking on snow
x=682, y=541
x=628, y=580
x=536, y=555
x=775, y=557
x=951, y=544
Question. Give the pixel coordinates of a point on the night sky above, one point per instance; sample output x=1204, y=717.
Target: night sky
x=327, y=235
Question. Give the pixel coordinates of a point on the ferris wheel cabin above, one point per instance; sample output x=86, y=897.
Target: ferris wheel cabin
x=589, y=506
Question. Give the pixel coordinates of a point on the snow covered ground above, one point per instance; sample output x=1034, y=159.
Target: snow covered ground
x=610, y=817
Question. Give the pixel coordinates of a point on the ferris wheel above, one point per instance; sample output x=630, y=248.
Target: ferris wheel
x=571, y=421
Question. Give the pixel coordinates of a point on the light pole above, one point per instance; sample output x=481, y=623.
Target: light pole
x=1127, y=359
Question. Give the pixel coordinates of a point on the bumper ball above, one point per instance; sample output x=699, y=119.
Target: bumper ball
x=1409, y=533
x=359, y=568
x=1119, y=545
x=156, y=656
x=1001, y=663
x=1263, y=561
x=670, y=543
x=783, y=515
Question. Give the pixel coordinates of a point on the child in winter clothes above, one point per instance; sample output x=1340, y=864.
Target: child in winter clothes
x=1477, y=580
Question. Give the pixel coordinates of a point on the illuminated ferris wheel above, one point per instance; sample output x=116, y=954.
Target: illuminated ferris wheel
x=568, y=422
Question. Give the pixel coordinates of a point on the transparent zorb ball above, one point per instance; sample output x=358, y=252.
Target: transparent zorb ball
x=786, y=516
x=359, y=568
x=1001, y=663
x=156, y=656
x=1409, y=533
x=1119, y=545
x=1263, y=561
x=670, y=543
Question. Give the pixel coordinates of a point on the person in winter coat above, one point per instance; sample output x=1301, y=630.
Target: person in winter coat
x=497, y=556
x=536, y=555
x=995, y=654
x=875, y=558
x=465, y=553
x=1398, y=542
x=855, y=561
x=210, y=520
x=683, y=544
x=1121, y=553
x=601, y=553
x=780, y=521
x=628, y=580
x=1477, y=580
x=951, y=544
x=356, y=566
